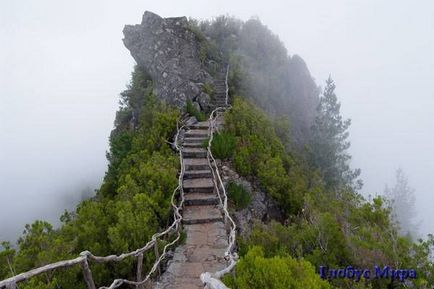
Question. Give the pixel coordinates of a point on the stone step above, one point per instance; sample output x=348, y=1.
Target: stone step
x=201, y=215
x=200, y=199
x=194, y=152
x=194, y=139
x=196, y=164
x=203, y=185
x=198, y=174
x=200, y=125
x=193, y=145
x=196, y=133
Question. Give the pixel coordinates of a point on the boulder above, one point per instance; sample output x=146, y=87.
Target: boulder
x=168, y=50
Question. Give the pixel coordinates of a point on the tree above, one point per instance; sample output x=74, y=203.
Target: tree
x=329, y=143
x=7, y=254
x=402, y=201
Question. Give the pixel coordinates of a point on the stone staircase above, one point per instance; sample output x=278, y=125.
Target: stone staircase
x=219, y=97
x=206, y=239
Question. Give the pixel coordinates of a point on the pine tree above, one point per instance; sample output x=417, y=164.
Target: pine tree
x=402, y=201
x=329, y=143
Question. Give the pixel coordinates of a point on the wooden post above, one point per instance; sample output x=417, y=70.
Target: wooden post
x=157, y=256
x=139, y=270
x=87, y=275
x=11, y=285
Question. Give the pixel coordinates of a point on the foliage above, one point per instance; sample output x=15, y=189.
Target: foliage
x=6, y=259
x=238, y=195
x=402, y=200
x=209, y=53
x=324, y=220
x=209, y=89
x=329, y=143
x=260, y=153
x=131, y=205
x=262, y=71
x=256, y=271
x=193, y=111
x=223, y=145
x=325, y=225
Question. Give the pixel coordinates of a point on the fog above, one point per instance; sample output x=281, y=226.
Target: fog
x=63, y=64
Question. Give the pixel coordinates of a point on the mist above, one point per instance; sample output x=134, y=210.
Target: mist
x=64, y=64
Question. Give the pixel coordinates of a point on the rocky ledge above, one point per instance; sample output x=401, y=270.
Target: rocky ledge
x=168, y=50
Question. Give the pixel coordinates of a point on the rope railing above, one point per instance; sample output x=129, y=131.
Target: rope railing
x=82, y=260
x=212, y=280
x=209, y=279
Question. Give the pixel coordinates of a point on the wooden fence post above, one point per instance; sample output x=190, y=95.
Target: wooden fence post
x=139, y=270
x=157, y=256
x=11, y=285
x=87, y=275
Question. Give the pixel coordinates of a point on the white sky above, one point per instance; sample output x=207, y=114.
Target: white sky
x=63, y=64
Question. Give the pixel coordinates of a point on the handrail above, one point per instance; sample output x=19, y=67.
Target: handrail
x=226, y=83
x=211, y=280
x=177, y=220
x=11, y=282
x=207, y=278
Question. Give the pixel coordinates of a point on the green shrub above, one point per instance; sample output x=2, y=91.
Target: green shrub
x=260, y=153
x=223, y=145
x=192, y=110
x=238, y=195
x=209, y=89
x=254, y=271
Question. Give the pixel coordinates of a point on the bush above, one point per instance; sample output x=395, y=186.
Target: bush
x=223, y=145
x=192, y=110
x=260, y=153
x=209, y=89
x=238, y=195
x=254, y=271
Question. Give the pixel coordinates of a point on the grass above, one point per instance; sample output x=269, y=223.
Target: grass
x=208, y=88
x=223, y=145
x=192, y=110
x=238, y=195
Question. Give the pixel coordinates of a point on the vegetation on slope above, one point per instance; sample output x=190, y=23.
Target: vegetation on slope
x=262, y=71
x=327, y=223
x=132, y=204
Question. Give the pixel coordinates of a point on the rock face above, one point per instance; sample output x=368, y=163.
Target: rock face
x=168, y=50
x=261, y=208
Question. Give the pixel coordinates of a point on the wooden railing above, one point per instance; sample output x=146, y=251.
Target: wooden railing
x=212, y=280
x=209, y=279
x=86, y=256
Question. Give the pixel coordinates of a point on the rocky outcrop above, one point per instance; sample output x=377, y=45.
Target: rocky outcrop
x=168, y=50
x=261, y=208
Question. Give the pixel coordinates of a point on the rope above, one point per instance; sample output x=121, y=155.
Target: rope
x=177, y=220
x=208, y=279
x=86, y=255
